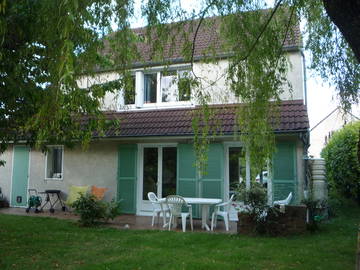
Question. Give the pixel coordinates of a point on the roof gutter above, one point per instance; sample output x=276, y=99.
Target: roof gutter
x=189, y=136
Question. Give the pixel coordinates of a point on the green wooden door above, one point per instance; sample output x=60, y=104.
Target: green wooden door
x=127, y=177
x=212, y=181
x=284, y=171
x=20, y=175
x=209, y=184
x=187, y=185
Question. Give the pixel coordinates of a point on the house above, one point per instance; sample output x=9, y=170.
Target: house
x=327, y=124
x=153, y=148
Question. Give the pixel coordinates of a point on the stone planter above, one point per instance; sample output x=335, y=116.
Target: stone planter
x=319, y=185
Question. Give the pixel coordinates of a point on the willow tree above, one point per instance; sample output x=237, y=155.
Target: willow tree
x=46, y=46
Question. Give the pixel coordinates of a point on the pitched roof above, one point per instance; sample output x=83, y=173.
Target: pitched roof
x=208, y=41
x=178, y=122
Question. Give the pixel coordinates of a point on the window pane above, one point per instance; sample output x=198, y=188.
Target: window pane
x=184, y=85
x=169, y=171
x=129, y=93
x=150, y=81
x=237, y=167
x=54, y=160
x=57, y=160
x=169, y=87
x=150, y=171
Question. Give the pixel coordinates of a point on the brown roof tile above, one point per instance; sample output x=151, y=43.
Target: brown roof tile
x=207, y=37
x=178, y=122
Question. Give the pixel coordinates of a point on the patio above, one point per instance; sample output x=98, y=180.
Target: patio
x=124, y=221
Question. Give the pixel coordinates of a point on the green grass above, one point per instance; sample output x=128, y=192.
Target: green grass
x=46, y=243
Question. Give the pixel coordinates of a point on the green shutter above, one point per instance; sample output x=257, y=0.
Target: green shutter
x=20, y=176
x=211, y=184
x=284, y=171
x=187, y=182
x=127, y=177
x=212, y=181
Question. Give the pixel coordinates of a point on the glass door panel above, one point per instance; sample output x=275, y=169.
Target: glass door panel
x=169, y=162
x=150, y=170
x=237, y=167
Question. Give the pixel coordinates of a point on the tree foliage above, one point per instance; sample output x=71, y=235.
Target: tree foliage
x=46, y=46
x=342, y=164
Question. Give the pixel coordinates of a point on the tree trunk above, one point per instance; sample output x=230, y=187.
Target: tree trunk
x=346, y=16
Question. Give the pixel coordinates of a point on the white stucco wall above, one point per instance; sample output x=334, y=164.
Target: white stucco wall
x=96, y=166
x=296, y=77
x=213, y=82
x=111, y=100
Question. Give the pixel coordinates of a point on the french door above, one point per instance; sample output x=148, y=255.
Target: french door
x=157, y=173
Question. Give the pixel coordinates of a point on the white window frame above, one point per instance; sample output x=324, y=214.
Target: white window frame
x=140, y=90
x=227, y=145
x=62, y=163
x=144, y=207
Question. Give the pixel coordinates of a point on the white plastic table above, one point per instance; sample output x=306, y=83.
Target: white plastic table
x=205, y=206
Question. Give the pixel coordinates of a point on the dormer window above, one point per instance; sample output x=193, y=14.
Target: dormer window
x=156, y=88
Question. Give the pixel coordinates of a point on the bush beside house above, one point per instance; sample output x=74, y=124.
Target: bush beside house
x=342, y=164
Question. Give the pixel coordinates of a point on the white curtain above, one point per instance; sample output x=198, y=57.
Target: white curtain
x=169, y=88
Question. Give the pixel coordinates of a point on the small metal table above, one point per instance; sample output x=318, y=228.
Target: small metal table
x=50, y=194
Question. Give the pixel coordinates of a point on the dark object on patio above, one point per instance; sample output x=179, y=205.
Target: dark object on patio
x=3, y=201
x=34, y=200
x=50, y=193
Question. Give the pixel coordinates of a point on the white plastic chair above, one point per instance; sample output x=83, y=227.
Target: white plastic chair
x=284, y=202
x=158, y=208
x=175, y=204
x=223, y=213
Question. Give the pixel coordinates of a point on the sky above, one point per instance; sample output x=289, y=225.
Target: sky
x=321, y=98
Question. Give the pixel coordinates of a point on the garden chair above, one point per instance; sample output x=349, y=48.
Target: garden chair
x=74, y=194
x=222, y=210
x=176, y=204
x=158, y=208
x=98, y=192
x=284, y=202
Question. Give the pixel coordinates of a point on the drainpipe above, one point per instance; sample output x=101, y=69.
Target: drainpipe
x=305, y=137
x=305, y=78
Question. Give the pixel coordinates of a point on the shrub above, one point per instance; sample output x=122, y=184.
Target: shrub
x=316, y=212
x=93, y=211
x=255, y=201
x=342, y=164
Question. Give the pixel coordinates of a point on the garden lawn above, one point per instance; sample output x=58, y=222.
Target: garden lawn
x=48, y=243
